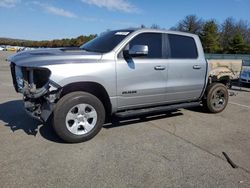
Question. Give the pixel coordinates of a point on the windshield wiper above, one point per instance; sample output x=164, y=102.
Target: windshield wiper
x=97, y=51
x=87, y=50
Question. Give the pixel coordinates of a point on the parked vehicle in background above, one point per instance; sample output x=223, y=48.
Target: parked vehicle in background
x=123, y=73
x=25, y=49
x=225, y=70
x=12, y=49
x=245, y=75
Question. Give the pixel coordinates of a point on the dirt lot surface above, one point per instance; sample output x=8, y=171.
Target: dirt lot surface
x=180, y=149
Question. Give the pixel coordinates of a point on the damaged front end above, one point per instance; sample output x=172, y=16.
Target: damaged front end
x=39, y=92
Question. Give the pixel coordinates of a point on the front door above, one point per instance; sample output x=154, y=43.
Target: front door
x=141, y=81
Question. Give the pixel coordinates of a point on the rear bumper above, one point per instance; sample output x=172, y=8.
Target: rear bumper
x=245, y=80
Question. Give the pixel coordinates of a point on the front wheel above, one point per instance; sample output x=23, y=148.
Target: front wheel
x=216, y=98
x=78, y=117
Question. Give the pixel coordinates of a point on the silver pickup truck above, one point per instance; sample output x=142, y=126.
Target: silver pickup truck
x=124, y=73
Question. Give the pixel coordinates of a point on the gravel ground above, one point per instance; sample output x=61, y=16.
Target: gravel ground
x=180, y=149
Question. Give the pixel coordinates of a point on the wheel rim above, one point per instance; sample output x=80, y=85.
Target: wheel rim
x=218, y=99
x=81, y=119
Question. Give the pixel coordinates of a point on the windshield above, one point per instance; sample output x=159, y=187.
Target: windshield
x=106, y=42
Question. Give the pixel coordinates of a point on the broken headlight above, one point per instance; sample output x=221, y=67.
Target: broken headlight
x=30, y=81
x=19, y=78
x=38, y=82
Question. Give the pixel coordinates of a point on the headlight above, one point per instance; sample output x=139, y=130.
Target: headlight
x=19, y=78
x=40, y=76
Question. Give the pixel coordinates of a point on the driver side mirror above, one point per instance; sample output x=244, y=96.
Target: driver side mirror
x=137, y=51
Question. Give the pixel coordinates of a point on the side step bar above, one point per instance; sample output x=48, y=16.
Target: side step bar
x=158, y=109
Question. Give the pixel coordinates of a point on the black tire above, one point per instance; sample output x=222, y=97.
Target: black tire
x=216, y=98
x=63, y=107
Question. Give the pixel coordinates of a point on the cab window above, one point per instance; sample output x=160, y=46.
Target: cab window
x=182, y=47
x=152, y=40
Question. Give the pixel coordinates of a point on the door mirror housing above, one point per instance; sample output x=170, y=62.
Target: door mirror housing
x=138, y=51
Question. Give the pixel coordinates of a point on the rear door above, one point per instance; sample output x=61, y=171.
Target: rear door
x=186, y=68
x=141, y=81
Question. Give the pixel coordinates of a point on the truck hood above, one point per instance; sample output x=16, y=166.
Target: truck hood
x=52, y=56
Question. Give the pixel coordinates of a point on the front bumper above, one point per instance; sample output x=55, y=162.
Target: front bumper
x=39, y=111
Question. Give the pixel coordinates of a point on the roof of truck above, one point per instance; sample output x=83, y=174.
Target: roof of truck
x=162, y=31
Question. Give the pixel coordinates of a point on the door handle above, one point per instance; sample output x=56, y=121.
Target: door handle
x=196, y=67
x=159, y=67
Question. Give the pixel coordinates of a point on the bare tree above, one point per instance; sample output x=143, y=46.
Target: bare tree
x=242, y=26
x=142, y=26
x=191, y=24
x=228, y=31
x=155, y=26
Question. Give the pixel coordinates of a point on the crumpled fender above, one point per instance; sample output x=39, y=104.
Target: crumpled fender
x=220, y=72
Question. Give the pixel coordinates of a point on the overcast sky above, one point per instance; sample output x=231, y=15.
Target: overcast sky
x=50, y=19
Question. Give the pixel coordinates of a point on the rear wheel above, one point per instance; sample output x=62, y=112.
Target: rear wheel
x=78, y=117
x=216, y=98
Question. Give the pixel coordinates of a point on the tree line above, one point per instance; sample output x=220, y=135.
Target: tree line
x=73, y=42
x=229, y=37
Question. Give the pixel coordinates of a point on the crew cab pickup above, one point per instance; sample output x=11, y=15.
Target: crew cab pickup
x=123, y=73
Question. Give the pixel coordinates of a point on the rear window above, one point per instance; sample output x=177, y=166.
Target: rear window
x=182, y=47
